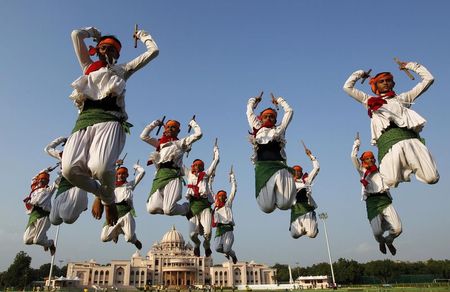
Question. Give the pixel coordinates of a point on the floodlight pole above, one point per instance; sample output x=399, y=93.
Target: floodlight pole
x=324, y=216
x=53, y=259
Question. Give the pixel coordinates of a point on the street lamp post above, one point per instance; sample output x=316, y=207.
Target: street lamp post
x=53, y=260
x=324, y=216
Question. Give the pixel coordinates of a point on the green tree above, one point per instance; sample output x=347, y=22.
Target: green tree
x=44, y=271
x=348, y=271
x=282, y=273
x=19, y=274
x=385, y=270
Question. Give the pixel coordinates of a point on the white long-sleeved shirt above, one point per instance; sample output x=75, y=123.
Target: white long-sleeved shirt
x=376, y=183
x=397, y=109
x=224, y=215
x=173, y=150
x=204, y=189
x=266, y=135
x=109, y=80
x=51, y=148
x=125, y=191
x=42, y=197
x=299, y=184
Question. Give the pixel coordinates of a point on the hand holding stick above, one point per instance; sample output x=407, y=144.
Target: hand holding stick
x=258, y=99
x=274, y=101
x=134, y=174
x=51, y=168
x=365, y=75
x=190, y=128
x=160, y=125
x=231, y=172
x=307, y=151
x=135, y=35
x=120, y=162
x=402, y=67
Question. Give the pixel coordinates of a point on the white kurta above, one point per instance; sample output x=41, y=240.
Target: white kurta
x=164, y=201
x=279, y=191
x=407, y=156
x=90, y=154
x=201, y=223
x=126, y=224
x=388, y=220
x=224, y=215
x=36, y=233
x=307, y=223
x=68, y=205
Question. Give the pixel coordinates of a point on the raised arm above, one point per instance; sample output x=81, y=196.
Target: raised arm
x=230, y=199
x=253, y=120
x=51, y=150
x=354, y=155
x=142, y=60
x=140, y=172
x=349, y=87
x=287, y=117
x=81, y=50
x=316, y=168
x=194, y=136
x=212, y=168
x=421, y=87
x=145, y=135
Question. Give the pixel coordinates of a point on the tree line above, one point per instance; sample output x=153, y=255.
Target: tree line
x=350, y=272
x=21, y=275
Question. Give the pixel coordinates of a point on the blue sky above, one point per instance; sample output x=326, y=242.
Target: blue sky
x=214, y=55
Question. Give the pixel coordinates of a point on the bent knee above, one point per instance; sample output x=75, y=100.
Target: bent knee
x=396, y=231
x=312, y=234
x=432, y=180
x=70, y=220
x=266, y=208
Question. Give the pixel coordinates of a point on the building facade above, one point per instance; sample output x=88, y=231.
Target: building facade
x=170, y=263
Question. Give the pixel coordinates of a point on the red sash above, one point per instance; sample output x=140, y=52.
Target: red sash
x=195, y=187
x=368, y=171
x=375, y=102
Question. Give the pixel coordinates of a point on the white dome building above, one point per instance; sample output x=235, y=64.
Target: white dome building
x=170, y=263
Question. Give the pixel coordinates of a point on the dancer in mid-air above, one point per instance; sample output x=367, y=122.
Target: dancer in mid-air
x=395, y=127
x=381, y=213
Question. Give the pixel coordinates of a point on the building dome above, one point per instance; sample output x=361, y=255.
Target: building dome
x=173, y=237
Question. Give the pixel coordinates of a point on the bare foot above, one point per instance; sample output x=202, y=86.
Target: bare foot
x=97, y=208
x=197, y=251
x=383, y=248
x=138, y=244
x=111, y=214
x=392, y=248
x=234, y=258
x=52, y=249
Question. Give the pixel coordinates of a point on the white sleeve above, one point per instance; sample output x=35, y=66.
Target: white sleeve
x=316, y=168
x=81, y=50
x=51, y=150
x=421, y=87
x=212, y=168
x=253, y=120
x=354, y=156
x=145, y=135
x=349, y=87
x=230, y=199
x=140, y=172
x=142, y=60
x=287, y=117
x=195, y=136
